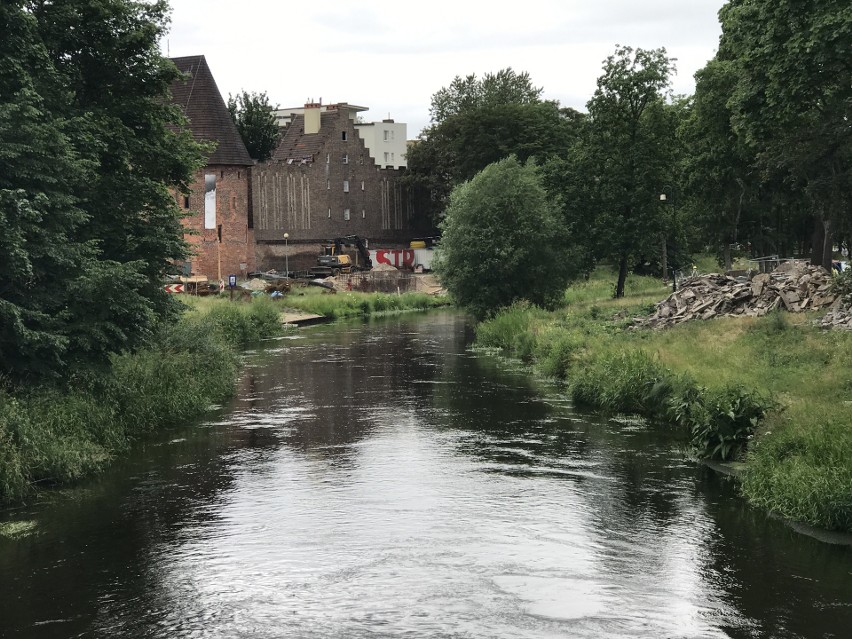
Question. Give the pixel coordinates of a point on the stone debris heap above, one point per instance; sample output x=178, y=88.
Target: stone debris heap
x=793, y=286
x=836, y=318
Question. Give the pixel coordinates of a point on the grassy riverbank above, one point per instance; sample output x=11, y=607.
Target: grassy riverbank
x=354, y=304
x=772, y=391
x=60, y=433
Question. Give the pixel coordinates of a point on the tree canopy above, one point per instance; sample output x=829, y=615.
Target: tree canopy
x=504, y=240
x=793, y=99
x=478, y=121
x=90, y=148
x=255, y=121
x=622, y=163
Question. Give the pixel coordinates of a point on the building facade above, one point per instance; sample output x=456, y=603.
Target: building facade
x=218, y=220
x=323, y=182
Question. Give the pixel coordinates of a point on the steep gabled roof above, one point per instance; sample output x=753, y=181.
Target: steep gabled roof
x=207, y=113
x=296, y=145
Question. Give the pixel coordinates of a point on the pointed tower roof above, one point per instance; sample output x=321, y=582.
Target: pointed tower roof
x=207, y=112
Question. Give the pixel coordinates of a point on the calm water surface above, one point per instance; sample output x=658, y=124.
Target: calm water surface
x=381, y=480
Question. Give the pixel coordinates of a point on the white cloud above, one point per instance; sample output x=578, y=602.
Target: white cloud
x=393, y=57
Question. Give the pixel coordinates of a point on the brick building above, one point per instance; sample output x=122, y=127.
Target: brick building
x=321, y=183
x=218, y=221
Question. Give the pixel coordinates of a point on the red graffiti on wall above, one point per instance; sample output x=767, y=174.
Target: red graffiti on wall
x=400, y=258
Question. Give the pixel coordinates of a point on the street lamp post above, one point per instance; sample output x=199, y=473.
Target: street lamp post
x=287, y=254
x=664, y=198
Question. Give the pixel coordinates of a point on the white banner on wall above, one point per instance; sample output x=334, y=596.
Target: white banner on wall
x=210, y=201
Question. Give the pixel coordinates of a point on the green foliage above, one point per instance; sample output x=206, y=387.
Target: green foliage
x=503, y=241
x=61, y=433
x=621, y=381
x=611, y=177
x=469, y=93
x=720, y=422
x=790, y=104
x=362, y=304
x=255, y=120
x=89, y=148
x=841, y=285
x=477, y=122
x=804, y=474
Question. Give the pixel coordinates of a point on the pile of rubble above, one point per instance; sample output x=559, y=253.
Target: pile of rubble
x=793, y=286
x=836, y=318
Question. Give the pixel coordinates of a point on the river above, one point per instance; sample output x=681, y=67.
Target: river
x=382, y=480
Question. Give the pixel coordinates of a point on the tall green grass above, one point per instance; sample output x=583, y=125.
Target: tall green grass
x=59, y=434
x=773, y=391
x=355, y=304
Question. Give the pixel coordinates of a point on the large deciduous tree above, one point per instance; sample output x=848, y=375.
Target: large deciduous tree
x=476, y=122
x=628, y=156
x=255, y=120
x=504, y=240
x=89, y=149
x=793, y=101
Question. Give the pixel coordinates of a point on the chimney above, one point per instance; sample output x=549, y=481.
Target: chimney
x=312, y=117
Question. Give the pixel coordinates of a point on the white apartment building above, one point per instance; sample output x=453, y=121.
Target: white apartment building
x=386, y=141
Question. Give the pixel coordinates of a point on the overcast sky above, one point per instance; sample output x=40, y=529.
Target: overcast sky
x=392, y=56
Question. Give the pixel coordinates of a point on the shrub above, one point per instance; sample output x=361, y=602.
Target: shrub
x=720, y=422
x=626, y=381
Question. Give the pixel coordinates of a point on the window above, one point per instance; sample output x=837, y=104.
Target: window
x=363, y=214
x=328, y=158
x=346, y=186
x=239, y=174
x=328, y=185
x=222, y=175
x=343, y=135
x=346, y=214
x=329, y=212
x=388, y=135
x=186, y=201
x=346, y=158
x=387, y=157
x=362, y=185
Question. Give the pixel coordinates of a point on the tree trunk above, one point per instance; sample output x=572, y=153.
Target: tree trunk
x=664, y=260
x=622, y=276
x=726, y=254
x=822, y=243
x=817, y=241
x=828, y=244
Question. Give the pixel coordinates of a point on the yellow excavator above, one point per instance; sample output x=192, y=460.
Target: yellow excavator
x=335, y=261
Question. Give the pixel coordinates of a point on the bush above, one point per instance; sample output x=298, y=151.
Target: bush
x=625, y=381
x=53, y=434
x=720, y=422
x=803, y=473
x=504, y=240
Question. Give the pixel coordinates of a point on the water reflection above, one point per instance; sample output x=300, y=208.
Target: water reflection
x=381, y=480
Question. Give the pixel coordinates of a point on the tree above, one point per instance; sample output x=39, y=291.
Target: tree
x=628, y=156
x=503, y=240
x=89, y=149
x=255, y=120
x=466, y=94
x=792, y=101
x=477, y=122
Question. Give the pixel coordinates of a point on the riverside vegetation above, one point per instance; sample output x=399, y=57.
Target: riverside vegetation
x=772, y=391
x=59, y=433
